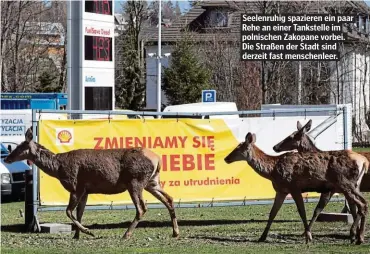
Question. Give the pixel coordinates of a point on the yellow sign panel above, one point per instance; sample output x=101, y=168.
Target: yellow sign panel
x=192, y=150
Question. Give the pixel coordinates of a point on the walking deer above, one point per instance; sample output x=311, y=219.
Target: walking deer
x=296, y=173
x=88, y=171
x=300, y=140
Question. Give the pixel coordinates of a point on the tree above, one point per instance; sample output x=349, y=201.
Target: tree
x=194, y=2
x=153, y=13
x=184, y=80
x=130, y=87
x=47, y=83
x=168, y=10
x=24, y=45
x=177, y=10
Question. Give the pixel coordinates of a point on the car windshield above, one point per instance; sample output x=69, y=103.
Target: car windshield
x=4, y=150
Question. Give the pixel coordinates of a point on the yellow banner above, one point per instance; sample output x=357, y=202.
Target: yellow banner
x=193, y=152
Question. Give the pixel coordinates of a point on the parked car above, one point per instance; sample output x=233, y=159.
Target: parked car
x=203, y=107
x=12, y=176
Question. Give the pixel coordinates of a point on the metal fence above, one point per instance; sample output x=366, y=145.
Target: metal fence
x=341, y=110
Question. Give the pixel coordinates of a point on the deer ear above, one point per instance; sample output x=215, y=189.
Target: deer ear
x=299, y=125
x=29, y=134
x=307, y=127
x=249, y=138
x=254, y=138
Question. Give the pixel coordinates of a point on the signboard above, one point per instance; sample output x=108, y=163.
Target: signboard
x=91, y=80
x=192, y=152
x=208, y=95
x=15, y=122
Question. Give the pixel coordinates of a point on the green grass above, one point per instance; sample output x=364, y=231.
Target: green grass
x=361, y=149
x=202, y=230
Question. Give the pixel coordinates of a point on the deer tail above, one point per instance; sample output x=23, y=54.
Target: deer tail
x=157, y=168
x=366, y=166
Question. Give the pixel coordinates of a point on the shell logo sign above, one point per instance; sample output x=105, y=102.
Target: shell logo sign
x=64, y=136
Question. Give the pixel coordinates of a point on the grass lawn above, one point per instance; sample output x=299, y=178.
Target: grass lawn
x=361, y=149
x=202, y=230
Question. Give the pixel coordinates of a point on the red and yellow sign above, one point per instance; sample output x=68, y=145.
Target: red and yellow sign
x=192, y=150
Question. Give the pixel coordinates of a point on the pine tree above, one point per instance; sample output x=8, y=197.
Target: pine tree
x=47, y=83
x=184, y=80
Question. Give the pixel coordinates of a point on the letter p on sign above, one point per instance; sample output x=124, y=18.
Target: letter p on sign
x=208, y=95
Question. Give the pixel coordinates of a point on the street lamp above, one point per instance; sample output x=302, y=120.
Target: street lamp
x=159, y=78
x=158, y=55
x=159, y=88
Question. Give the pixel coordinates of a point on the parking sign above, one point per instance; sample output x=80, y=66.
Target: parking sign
x=208, y=95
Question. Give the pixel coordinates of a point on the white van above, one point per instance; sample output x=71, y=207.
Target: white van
x=203, y=107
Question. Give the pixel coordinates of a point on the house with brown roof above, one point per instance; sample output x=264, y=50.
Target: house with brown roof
x=208, y=20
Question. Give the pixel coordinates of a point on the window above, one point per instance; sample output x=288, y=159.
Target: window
x=218, y=18
x=362, y=24
x=98, y=98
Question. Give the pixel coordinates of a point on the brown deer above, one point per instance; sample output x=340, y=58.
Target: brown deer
x=296, y=173
x=112, y=171
x=301, y=141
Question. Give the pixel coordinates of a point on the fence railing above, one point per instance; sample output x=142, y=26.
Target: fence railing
x=304, y=112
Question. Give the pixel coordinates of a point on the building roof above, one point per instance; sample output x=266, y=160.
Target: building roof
x=46, y=30
x=194, y=20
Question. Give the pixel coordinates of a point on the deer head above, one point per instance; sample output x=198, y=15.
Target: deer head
x=25, y=150
x=243, y=151
x=294, y=140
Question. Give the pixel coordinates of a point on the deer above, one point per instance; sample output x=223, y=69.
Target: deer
x=301, y=141
x=87, y=171
x=297, y=173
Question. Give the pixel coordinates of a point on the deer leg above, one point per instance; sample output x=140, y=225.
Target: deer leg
x=279, y=200
x=352, y=234
x=302, y=212
x=363, y=214
x=156, y=190
x=355, y=197
x=324, y=199
x=353, y=211
x=137, y=198
x=74, y=199
x=346, y=207
x=80, y=212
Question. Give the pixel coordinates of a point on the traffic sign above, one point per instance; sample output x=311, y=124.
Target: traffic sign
x=208, y=95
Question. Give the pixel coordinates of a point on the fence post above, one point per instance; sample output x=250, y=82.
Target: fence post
x=28, y=200
x=34, y=224
x=345, y=146
x=345, y=128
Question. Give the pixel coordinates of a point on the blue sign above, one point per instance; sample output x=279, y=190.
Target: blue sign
x=208, y=95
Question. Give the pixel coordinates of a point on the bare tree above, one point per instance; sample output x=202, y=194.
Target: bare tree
x=24, y=47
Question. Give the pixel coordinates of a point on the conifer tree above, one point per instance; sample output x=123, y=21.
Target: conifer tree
x=185, y=79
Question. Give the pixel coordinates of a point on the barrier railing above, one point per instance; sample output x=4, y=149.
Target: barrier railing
x=299, y=112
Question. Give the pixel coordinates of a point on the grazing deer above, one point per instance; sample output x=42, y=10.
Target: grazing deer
x=296, y=173
x=301, y=141
x=88, y=171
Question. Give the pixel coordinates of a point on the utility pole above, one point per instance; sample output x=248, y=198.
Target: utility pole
x=299, y=83
x=159, y=56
